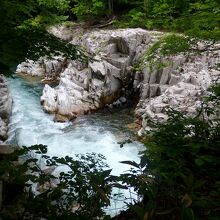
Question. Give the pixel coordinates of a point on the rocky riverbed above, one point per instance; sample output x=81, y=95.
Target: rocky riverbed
x=110, y=76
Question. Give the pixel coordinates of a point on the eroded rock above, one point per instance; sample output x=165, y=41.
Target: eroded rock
x=86, y=87
x=83, y=90
x=47, y=69
x=5, y=108
x=180, y=86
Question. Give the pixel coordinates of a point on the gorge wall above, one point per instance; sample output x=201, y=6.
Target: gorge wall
x=5, y=109
x=110, y=75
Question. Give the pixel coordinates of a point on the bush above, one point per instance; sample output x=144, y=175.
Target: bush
x=134, y=18
x=168, y=45
x=89, y=8
x=85, y=183
x=178, y=176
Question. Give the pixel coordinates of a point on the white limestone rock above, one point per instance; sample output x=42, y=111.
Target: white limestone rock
x=5, y=108
x=3, y=129
x=181, y=86
x=31, y=67
x=82, y=90
x=85, y=87
x=45, y=68
x=49, y=99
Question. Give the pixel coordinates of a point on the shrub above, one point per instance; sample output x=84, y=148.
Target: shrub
x=178, y=176
x=85, y=183
x=168, y=45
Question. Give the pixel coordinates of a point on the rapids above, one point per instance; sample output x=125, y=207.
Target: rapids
x=99, y=132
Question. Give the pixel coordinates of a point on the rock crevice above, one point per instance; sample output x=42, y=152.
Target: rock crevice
x=86, y=87
x=103, y=80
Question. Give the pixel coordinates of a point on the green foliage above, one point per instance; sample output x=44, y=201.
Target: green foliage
x=168, y=45
x=24, y=23
x=202, y=20
x=31, y=42
x=60, y=5
x=134, y=18
x=171, y=44
x=196, y=18
x=87, y=9
x=85, y=183
x=178, y=175
x=163, y=9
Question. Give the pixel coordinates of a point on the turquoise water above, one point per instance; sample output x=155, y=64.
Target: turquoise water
x=97, y=133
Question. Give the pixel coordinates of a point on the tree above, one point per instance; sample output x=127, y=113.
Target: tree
x=178, y=176
x=147, y=5
x=23, y=30
x=110, y=6
x=89, y=8
x=78, y=193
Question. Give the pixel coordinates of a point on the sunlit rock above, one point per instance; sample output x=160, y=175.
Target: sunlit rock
x=48, y=69
x=180, y=86
x=82, y=90
x=180, y=83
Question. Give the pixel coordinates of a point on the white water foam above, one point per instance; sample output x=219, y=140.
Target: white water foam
x=31, y=125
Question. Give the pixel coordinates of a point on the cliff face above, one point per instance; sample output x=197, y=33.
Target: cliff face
x=5, y=109
x=86, y=87
x=180, y=85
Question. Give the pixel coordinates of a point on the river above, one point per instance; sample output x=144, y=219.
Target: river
x=99, y=132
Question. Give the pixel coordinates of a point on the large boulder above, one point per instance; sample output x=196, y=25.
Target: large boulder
x=85, y=88
x=48, y=69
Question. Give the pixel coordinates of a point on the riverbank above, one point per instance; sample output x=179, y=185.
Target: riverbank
x=102, y=132
x=120, y=67
x=5, y=109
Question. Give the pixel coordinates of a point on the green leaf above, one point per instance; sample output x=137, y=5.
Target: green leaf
x=106, y=173
x=199, y=162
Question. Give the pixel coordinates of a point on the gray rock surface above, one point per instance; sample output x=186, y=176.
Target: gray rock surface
x=83, y=90
x=5, y=112
x=179, y=86
x=48, y=69
x=5, y=108
x=86, y=87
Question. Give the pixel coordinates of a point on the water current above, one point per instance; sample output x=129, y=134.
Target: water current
x=99, y=132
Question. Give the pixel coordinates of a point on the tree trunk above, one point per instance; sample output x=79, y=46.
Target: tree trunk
x=147, y=6
x=110, y=6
